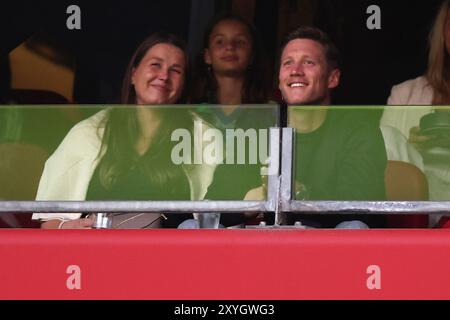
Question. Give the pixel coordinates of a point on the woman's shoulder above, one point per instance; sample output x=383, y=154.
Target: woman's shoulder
x=89, y=126
x=85, y=135
x=412, y=92
x=411, y=84
x=95, y=121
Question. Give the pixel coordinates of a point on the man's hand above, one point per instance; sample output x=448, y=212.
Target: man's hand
x=257, y=194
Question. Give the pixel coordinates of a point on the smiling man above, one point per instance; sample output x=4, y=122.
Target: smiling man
x=340, y=154
x=308, y=73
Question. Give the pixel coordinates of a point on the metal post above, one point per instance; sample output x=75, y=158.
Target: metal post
x=287, y=158
x=273, y=186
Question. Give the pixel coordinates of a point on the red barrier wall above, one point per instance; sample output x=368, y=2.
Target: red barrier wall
x=225, y=264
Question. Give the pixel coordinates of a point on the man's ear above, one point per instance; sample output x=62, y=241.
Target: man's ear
x=334, y=78
x=207, y=56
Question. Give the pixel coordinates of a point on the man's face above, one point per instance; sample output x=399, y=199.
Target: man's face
x=305, y=77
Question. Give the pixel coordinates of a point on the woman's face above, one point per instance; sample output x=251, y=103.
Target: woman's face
x=230, y=48
x=159, y=77
x=447, y=32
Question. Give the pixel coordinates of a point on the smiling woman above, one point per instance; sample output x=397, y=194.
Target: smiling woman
x=124, y=153
x=160, y=75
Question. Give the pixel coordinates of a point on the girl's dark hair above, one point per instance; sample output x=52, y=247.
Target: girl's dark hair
x=256, y=86
x=122, y=131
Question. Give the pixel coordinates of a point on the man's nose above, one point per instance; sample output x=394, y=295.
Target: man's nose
x=297, y=69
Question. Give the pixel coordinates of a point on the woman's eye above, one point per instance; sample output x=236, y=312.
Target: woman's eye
x=155, y=64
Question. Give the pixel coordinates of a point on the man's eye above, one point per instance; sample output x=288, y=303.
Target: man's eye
x=308, y=62
x=287, y=63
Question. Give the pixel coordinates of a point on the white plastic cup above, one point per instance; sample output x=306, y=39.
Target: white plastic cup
x=102, y=221
x=209, y=220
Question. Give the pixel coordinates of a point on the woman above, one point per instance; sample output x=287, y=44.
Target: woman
x=428, y=90
x=433, y=88
x=125, y=153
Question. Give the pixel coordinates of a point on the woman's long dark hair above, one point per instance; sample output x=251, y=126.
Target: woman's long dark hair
x=122, y=132
x=256, y=85
x=438, y=58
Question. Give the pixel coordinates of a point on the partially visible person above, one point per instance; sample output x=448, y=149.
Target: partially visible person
x=424, y=94
x=232, y=69
x=432, y=88
x=10, y=124
x=398, y=148
x=124, y=153
x=40, y=126
x=5, y=80
x=230, y=82
x=27, y=136
x=339, y=155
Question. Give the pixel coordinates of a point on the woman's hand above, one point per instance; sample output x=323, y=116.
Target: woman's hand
x=84, y=223
x=420, y=141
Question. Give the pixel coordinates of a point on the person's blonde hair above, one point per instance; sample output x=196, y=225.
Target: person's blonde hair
x=438, y=58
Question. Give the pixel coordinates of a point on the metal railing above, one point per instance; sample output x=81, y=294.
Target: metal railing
x=279, y=196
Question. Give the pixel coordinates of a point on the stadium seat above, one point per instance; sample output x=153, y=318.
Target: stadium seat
x=21, y=167
x=406, y=182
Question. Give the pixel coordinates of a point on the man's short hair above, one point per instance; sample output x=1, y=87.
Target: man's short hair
x=313, y=33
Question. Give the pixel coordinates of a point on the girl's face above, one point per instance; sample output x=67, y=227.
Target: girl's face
x=230, y=48
x=159, y=77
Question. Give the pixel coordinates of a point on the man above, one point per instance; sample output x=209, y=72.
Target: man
x=340, y=155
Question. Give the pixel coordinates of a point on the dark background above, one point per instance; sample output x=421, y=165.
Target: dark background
x=372, y=60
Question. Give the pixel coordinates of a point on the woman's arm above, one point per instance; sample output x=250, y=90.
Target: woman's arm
x=84, y=223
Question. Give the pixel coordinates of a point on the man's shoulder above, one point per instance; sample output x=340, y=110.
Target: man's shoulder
x=354, y=124
x=353, y=117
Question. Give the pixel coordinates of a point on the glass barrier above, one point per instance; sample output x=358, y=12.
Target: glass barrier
x=339, y=154
x=348, y=154
x=128, y=153
x=427, y=132
x=212, y=158
x=123, y=144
